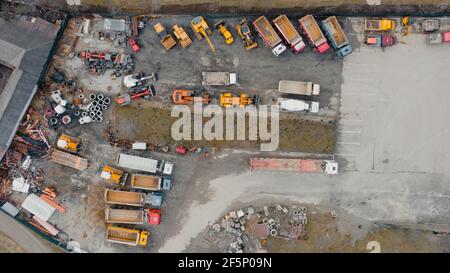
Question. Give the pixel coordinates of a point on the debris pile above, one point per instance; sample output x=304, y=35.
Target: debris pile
x=98, y=62
x=248, y=229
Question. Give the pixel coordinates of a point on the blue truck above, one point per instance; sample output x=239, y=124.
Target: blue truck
x=336, y=35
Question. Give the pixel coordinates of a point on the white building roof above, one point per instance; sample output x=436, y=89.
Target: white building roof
x=38, y=207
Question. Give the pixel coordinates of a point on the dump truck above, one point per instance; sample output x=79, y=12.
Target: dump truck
x=124, y=216
x=293, y=105
x=144, y=164
x=182, y=36
x=336, y=35
x=68, y=159
x=114, y=175
x=290, y=35
x=294, y=165
x=127, y=236
x=379, y=25
x=430, y=25
x=166, y=38
x=219, y=78
x=311, y=29
x=150, y=182
x=183, y=96
x=298, y=88
x=380, y=40
x=134, y=199
x=269, y=35
x=438, y=38
x=71, y=144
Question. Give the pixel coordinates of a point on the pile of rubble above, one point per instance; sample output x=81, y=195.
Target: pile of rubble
x=249, y=229
x=83, y=110
x=98, y=62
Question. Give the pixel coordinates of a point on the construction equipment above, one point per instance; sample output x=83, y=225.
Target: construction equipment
x=134, y=46
x=134, y=199
x=294, y=165
x=223, y=30
x=438, y=38
x=124, y=216
x=182, y=36
x=244, y=32
x=315, y=35
x=229, y=100
x=294, y=105
x=143, y=164
x=336, y=35
x=90, y=56
x=201, y=29
x=166, y=38
x=114, y=175
x=181, y=96
x=154, y=216
x=127, y=236
x=299, y=88
x=138, y=79
x=219, y=78
x=406, y=27
x=269, y=35
x=145, y=93
x=146, y=182
x=381, y=40
x=71, y=144
x=430, y=25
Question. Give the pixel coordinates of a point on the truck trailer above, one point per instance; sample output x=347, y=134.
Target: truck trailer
x=150, y=182
x=336, y=35
x=219, y=78
x=127, y=236
x=144, y=164
x=315, y=36
x=289, y=33
x=294, y=165
x=269, y=35
x=124, y=216
x=134, y=199
x=298, y=88
x=438, y=38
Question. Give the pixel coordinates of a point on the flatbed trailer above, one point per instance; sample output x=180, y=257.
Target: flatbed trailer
x=336, y=35
x=218, y=78
x=289, y=33
x=68, y=159
x=293, y=165
x=124, y=216
x=315, y=36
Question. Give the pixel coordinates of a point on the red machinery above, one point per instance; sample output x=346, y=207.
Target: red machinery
x=90, y=56
x=180, y=149
x=134, y=45
x=127, y=98
x=154, y=216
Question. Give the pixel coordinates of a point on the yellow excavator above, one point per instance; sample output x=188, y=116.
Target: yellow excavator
x=201, y=29
x=406, y=27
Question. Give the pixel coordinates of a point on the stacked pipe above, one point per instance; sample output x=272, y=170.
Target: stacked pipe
x=98, y=104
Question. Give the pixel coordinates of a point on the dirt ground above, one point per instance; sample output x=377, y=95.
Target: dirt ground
x=7, y=245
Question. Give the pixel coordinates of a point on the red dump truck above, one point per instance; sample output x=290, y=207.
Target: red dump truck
x=290, y=35
x=294, y=165
x=315, y=35
x=269, y=35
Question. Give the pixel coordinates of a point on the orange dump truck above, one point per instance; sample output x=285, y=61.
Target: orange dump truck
x=294, y=165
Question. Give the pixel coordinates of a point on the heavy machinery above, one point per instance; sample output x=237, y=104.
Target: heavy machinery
x=289, y=33
x=137, y=79
x=166, y=38
x=379, y=24
x=294, y=165
x=201, y=29
x=229, y=100
x=89, y=56
x=145, y=93
x=244, y=32
x=431, y=25
x=134, y=45
x=182, y=36
x=127, y=236
x=406, y=27
x=71, y=144
x=223, y=30
x=114, y=175
x=154, y=216
x=182, y=96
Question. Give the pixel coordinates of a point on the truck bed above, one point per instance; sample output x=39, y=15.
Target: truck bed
x=124, y=198
x=372, y=24
x=216, y=78
x=69, y=160
x=295, y=87
x=286, y=28
x=123, y=216
x=266, y=31
x=122, y=236
x=335, y=31
x=311, y=27
x=146, y=182
x=286, y=165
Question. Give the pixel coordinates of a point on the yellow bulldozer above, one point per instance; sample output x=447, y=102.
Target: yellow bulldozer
x=226, y=34
x=202, y=30
x=71, y=144
x=229, y=100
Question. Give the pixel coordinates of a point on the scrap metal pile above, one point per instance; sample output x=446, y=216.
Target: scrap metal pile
x=98, y=62
x=250, y=230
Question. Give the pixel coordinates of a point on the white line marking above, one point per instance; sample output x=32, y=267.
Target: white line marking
x=346, y=155
x=348, y=143
x=350, y=120
x=349, y=132
x=356, y=109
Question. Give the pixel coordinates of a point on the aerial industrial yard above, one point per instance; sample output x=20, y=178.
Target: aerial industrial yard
x=90, y=162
